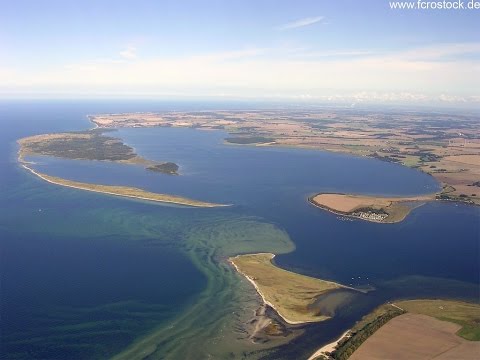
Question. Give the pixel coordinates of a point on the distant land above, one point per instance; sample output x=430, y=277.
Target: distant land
x=443, y=145
x=369, y=208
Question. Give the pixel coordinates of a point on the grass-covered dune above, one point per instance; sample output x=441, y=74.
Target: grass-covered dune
x=290, y=294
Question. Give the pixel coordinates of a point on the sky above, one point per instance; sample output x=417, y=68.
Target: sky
x=316, y=50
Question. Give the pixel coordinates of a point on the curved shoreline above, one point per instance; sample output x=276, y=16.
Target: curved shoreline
x=276, y=308
x=155, y=197
x=394, y=201
x=265, y=301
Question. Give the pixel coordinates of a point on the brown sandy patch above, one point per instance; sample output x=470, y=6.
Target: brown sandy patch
x=348, y=203
x=414, y=337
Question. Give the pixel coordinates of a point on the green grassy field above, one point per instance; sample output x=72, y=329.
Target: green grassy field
x=465, y=314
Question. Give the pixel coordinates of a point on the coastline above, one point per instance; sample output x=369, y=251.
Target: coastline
x=294, y=130
x=265, y=301
x=167, y=199
x=329, y=347
x=270, y=304
x=437, y=195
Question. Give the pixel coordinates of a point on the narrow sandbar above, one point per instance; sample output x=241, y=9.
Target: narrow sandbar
x=124, y=191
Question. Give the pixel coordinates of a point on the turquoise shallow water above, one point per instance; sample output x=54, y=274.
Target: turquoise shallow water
x=87, y=276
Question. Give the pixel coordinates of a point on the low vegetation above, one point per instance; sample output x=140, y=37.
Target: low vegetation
x=125, y=191
x=86, y=145
x=290, y=294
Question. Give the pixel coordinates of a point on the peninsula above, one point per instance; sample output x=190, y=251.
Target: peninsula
x=94, y=145
x=290, y=294
x=369, y=208
x=124, y=191
x=88, y=145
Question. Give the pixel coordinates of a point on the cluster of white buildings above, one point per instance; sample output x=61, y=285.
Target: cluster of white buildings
x=370, y=216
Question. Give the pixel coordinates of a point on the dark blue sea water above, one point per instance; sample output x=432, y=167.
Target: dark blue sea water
x=77, y=267
x=77, y=280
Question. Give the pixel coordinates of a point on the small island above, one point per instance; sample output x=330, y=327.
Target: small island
x=124, y=191
x=166, y=168
x=369, y=208
x=289, y=294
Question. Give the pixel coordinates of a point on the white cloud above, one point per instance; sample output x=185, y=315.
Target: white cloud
x=261, y=72
x=129, y=53
x=232, y=55
x=332, y=54
x=455, y=99
x=302, y=22
x=381, y=97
